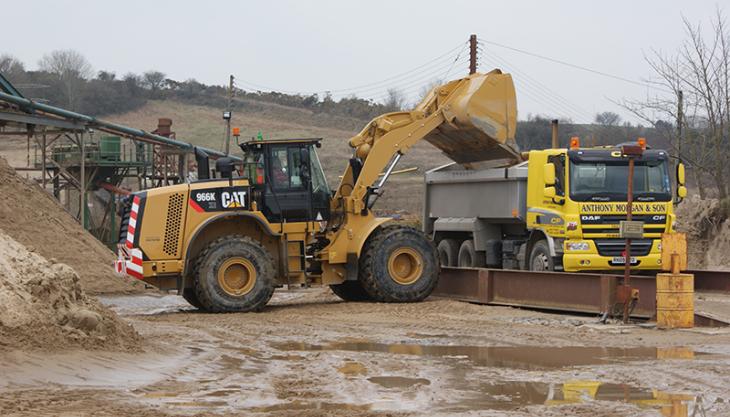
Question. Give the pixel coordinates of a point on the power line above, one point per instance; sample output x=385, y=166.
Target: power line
x=576, y=66
x=438, y=61
x=551, y=97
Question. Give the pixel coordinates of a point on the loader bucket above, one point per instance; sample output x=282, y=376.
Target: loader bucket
x=481, y=114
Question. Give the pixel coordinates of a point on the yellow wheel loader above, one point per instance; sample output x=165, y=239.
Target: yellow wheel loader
x=226, y=243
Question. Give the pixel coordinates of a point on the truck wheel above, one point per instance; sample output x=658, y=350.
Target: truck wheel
x=351, y=291
x=448, y=251
x=470, y=257
x=398, y=264
x=189, y=295
x=540, y=259
x=234, y=273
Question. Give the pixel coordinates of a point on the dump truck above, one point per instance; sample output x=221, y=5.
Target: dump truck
x=226, y=243
x=558, y=210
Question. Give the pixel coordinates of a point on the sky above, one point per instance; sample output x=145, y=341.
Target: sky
x=366, y=47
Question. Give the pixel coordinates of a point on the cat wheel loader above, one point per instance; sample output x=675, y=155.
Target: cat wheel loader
x=226, y=243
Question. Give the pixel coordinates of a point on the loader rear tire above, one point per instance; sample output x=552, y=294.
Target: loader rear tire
x=234, y=273
x=448, y=250
x=351, y=291
x=398, y=265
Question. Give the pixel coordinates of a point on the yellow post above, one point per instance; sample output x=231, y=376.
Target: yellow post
x=674, y=290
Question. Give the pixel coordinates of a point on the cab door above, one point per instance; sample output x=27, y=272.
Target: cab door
x=287, y=196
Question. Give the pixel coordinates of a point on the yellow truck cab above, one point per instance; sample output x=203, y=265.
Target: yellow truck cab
x=559, y=210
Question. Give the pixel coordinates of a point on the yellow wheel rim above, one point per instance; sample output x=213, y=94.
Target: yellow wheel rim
x=405, y=266
x=237, y=276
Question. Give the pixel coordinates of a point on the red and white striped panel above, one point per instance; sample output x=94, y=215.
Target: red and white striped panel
x=132, y=226
x=130, y=260
x=134, y=266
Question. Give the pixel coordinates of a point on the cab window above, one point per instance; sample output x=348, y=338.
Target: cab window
x=559, y=162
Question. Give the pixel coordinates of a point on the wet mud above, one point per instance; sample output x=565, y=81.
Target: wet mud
x=308, y=354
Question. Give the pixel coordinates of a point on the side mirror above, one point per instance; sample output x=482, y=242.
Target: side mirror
x=681, y=191
x=680, y=175
x=549, y=174
x=549, y=192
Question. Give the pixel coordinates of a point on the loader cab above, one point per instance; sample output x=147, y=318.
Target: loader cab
x=287, y=179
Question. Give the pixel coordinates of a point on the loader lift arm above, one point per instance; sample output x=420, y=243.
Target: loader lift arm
x=471, y=119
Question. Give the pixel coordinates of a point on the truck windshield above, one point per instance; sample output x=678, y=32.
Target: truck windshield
x=608, y=181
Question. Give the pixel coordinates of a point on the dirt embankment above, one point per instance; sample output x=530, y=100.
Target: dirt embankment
x=42, y=306
x=707, y=226
x=32, y=217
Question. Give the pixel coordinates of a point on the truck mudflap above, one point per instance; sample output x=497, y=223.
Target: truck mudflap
x=129, y=262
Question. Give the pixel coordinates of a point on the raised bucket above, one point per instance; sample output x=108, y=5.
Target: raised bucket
x=675, y=300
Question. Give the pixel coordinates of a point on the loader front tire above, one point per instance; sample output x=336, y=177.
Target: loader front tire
x=234, y=274
x=351, y=291
x=398, y=265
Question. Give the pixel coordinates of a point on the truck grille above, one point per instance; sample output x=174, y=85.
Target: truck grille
x=616, y=218
x=615, y=247
x=604, y=224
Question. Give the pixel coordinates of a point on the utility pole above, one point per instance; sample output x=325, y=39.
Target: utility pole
x=472, y=54
x=680, y=122
x=227, y=116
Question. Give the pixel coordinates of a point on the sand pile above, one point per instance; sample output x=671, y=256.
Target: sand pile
x=708, y=232
x=32, y=217
x=43, y=306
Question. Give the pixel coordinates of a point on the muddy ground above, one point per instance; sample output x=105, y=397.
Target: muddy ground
x=309, y=354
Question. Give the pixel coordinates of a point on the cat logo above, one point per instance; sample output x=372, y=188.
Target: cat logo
x=234, y=199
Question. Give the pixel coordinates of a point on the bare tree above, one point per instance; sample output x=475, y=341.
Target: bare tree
x=423, y=92
x=154, y=80
x=699, y=72
x=106, y=76
x=608, y=118
x=11, y=67
x=71, y=69
x=394, y=100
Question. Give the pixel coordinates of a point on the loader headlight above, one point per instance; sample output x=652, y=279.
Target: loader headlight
x=576, y=246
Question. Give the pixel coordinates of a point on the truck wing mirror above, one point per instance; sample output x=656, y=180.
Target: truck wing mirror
x=549, y=174
x=681, y=191
x=549, y=192
x=680, y=174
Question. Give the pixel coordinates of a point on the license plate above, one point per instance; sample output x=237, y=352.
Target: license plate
x=622, y=259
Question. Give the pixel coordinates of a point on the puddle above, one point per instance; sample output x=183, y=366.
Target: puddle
x=135, y=305
x=352, y=369
x=518, y=357
x=514, y=394
x=87, y=369
x=398, y=381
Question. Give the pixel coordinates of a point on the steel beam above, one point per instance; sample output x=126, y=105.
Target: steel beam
x=711, y=280
x=30, y=119
x=585, y=293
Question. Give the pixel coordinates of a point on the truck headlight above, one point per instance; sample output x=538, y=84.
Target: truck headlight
x=576, y=246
